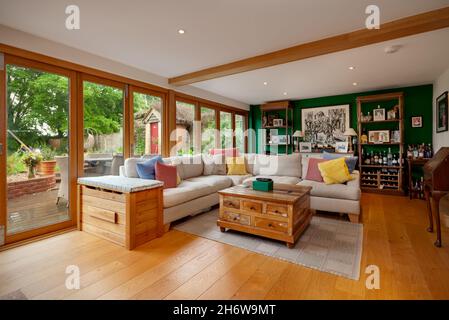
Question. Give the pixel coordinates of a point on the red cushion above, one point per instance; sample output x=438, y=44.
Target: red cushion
x=231, y=152
x=313, y=173
x=167, y=174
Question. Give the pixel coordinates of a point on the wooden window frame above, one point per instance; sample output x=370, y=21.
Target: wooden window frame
x=73, y=171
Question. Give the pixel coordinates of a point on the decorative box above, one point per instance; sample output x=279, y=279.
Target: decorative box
x=263, y=185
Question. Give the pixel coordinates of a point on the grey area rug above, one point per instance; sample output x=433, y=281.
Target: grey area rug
x=327, y=245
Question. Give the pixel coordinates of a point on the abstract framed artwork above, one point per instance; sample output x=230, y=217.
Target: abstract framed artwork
x=442, y=113
x=325, y=125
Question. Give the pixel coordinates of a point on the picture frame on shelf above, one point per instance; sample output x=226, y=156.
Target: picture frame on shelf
x=378, y=136
x=278, y=122
x=283, y=139
x=395, y=136
x=341, y=147
x=392, y=114
x=379, y=114
x=442, y=115
x=305, y=147
x=416, y=122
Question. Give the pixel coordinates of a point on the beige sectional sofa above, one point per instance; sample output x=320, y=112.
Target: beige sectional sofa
x=198, y=192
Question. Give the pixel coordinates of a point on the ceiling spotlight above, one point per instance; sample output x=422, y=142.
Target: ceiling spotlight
x=181, y=31
x=351, y=68
x=265, y=83
x=285, y=93
x=354, y=84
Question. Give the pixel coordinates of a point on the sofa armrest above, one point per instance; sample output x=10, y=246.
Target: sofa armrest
x=355, y=182
x=122, y=171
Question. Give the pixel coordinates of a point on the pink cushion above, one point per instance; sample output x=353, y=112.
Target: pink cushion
x=231, y=152
x=167, y=174
x=313, y=173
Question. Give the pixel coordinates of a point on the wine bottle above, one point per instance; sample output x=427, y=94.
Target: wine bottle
x=389, y=157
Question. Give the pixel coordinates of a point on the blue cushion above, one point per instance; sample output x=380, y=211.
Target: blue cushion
x=351, y=162
x=146, y=170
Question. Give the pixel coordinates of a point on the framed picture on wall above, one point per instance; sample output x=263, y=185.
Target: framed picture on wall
x=305, y=147
x=417, y=122
x=442, y=113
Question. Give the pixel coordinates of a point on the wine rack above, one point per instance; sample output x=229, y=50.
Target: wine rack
x=382, y=178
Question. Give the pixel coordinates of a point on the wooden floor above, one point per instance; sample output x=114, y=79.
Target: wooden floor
x=182, y=266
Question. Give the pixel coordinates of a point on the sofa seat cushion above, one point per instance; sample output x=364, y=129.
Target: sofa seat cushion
x=215, y=183
x=276, y=179
x=237, y=180
x=184, y=192
x=334, y=191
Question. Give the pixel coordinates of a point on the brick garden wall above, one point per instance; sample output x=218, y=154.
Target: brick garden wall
x=30, y=186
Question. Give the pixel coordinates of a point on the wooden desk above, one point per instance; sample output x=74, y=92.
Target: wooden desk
x=413, y=162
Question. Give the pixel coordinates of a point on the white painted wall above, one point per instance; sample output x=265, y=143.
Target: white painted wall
x=440, y=85
x=40, y=45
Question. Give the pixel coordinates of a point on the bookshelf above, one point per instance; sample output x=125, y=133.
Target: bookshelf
x=280, y=110
x=381, y=178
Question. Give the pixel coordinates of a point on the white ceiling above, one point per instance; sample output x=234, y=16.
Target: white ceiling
x=143, y=34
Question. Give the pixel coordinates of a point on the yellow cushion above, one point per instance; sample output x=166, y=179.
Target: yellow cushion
x=334, y=171
x=236, y=166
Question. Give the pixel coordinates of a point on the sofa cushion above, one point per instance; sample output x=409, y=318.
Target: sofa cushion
x=146, y=169
x=237, y=180
x=284, y=165
x=188, y=166
x=214, y=164
x=230, y=152
x=167, y=174
x=215, y=182
x=250, y=159
x=335, y=191
x=184, y=192
x=130, y=167
x=276, y=179
x=334, y=171
x=351, y=162
x=236, y=166
x=313, y=173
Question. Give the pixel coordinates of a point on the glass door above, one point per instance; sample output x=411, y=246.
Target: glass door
x=103, y=127
x=37, y=149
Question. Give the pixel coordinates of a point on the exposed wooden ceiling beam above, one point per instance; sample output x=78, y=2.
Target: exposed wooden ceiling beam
x=425, y=22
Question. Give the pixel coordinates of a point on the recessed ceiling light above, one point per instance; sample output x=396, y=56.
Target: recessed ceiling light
x=285, y=93
x=354, y=84
x=265, y=83
x=351, y=68
x=181, y=31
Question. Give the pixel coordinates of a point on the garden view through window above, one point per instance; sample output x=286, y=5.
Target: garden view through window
x=147, y=124
x=103, y=129
x=37, y=149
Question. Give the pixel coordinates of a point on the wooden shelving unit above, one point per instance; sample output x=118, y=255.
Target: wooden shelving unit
x=381, y=178
x=286, y=108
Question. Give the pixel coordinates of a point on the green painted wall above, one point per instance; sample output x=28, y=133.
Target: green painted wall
x=417, y=100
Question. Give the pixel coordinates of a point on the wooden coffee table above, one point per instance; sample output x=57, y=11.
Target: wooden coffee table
x=282, y=214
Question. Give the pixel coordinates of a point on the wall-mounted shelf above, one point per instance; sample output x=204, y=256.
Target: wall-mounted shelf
x=284, y=109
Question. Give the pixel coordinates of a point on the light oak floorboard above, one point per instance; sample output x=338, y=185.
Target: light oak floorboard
x=183, y=266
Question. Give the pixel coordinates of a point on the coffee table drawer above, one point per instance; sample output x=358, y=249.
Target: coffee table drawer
x=271, y=225
x=236, y=218
x=277, y=209
x=252, y=206
x=230, y=202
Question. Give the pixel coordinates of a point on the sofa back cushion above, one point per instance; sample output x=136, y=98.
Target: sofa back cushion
x=351, y=162
x=187, y=166
x=250, y=159
x=283, y=165
x=130, y=167
x=214, y=164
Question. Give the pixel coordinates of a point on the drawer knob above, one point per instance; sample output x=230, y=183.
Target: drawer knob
x=270, y=225
x=252, y=208
x=276, y=211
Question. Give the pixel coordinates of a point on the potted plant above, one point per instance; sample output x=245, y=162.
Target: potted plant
x=31, y=159
x=48, y=163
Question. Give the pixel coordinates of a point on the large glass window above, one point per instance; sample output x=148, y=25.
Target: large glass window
x=185, y=118
x=208, y=129
x=103, y=129
x=37, y=149
x=226, y=129
x=147, y=124
x=239, y=132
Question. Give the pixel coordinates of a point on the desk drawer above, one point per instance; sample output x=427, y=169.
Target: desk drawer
x=232, y=203
x=236, y=218
x=271, y=225
x=252, y=206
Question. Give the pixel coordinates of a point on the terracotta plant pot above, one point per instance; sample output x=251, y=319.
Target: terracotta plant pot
x=47, y=168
